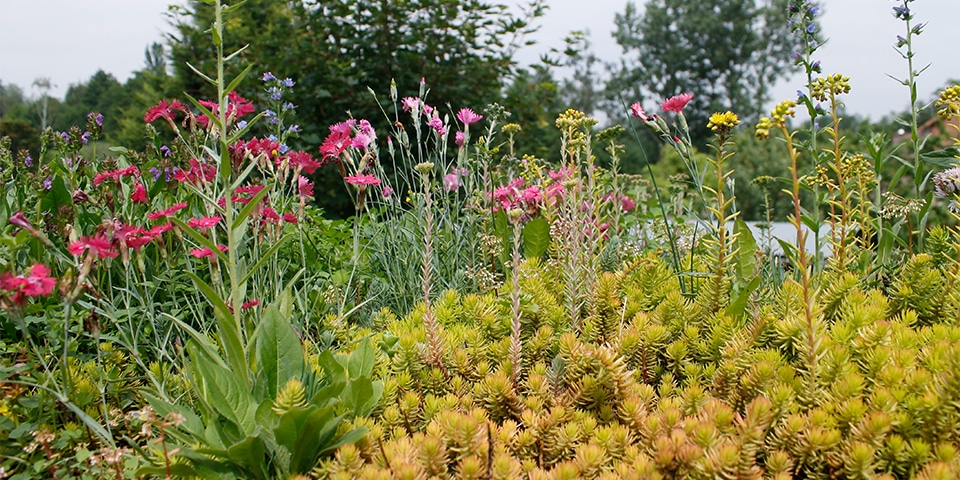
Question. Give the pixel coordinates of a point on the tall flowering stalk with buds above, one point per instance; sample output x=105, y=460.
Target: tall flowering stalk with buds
x=723, y=243
x=778, y=121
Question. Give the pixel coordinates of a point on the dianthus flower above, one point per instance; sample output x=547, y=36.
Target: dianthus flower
x=139, y=194
x=164, y=109
x=34, y=284
x=468, y=116
x=204, y=223
x=206, y=252
x=676, y=103
x=169, y=211
x=362, y=179
x=99, y=246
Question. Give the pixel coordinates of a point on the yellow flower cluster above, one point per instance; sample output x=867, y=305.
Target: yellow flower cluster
x=835, y=84
x=722, y=123
x=784, y=109
x=948, y=105
x=574, y=119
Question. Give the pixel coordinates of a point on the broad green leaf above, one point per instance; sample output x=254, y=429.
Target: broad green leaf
x=333, y=370
x=279, y=351
x=224, y=391
x=250, y=453
x=240, y=76
x=250, y=206
x=358, y=393
x=536, y=238
x=361, y=360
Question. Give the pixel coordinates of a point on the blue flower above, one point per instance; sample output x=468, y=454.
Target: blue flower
x=287, y=82
x=814, y=10
x=284, y=149
x=156, y=173
x=28, y=162
x=294, y=129
x=241, y=124
x=288, y=106
x=272, y=138
x=811, y=28
x=47, y=183
x=267, y=77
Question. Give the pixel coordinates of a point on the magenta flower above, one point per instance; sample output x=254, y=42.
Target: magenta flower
x=34, y=284
x=304, y=186
x=676, y=103
x=437, y=124
x=305, y=161
x=139, y=194
x=362, y=179
x=387, y=192
x=459, y=138
x=361, y=140
x=468, y=116
x=411, y=104
x=637, y=111
x=206, y=252
x=99, y=246
x=451, y=182
x=164, y=109
x=167, y=211
x=203, y=223
x=335, y=143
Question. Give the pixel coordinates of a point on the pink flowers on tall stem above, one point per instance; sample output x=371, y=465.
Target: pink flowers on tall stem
x=468, y=116
x=676, y=103
x=362, y=179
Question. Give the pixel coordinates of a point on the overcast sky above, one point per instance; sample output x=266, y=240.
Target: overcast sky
x=68, y=40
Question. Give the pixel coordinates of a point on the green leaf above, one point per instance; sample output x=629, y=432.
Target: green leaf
x=239, y=78
x=250, y=452
x=223, y=390
x=279, y=351
x=361, y=360
x=944, y=158
x=333, y=370
x=737, y=307
x=357, y=395
x=745, y=259
x=536, y=238
x=58, y=196
x=228, y=329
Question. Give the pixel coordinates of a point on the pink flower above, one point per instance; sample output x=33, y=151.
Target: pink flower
x=167, y=211
x=437, y=124
x=236, y=108
x=139, y=194
x=676, y=103
x=164, y=109
x=305, y=187
x=451, y=181
x=627, y=203
x=345, y=127
x=387, y=192
x=427, y=109
x=36, y=283
x=291, y=217
x=459, y=138
x=160, y=229
x=411, y=104
x=206, y=252
x=362, y=179
x=99, y=246
x=637, y=111
x=305, y=161
x=468, y=116
x=130, y=171
x=204, y=223
x=335, y=143
x=361, y=140
x=253, y=302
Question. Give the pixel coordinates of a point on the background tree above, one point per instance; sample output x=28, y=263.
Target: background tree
x=336, y=50
x=728, y=53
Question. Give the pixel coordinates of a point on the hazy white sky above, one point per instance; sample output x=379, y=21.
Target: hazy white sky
x=68, y=40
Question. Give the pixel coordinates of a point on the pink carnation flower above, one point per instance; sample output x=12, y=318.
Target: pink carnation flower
x=676, y=103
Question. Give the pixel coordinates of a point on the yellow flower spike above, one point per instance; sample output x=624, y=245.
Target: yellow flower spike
x=722, y=123
x=763, y=128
